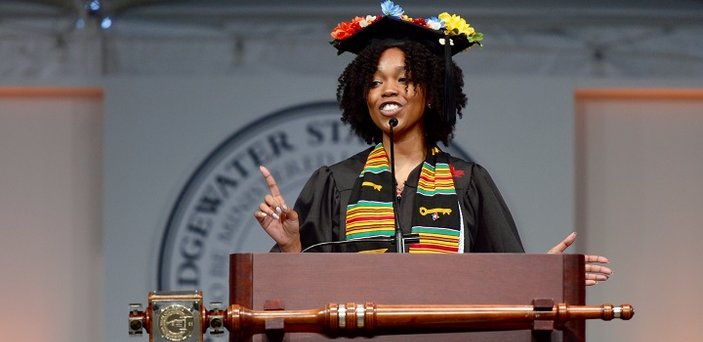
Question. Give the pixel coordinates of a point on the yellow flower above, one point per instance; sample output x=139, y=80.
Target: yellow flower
x=455, y=24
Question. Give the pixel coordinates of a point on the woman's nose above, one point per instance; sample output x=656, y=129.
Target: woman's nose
x=390, y=89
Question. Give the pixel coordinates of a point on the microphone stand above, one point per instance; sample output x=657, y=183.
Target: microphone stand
x=399, y=240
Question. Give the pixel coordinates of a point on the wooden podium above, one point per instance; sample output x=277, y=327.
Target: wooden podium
x=304, y=281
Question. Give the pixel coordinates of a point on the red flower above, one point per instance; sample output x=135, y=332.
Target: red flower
x=420, y=21
x=456, y=173
x=345, y=30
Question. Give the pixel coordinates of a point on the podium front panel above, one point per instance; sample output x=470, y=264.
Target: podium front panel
x=306, y=281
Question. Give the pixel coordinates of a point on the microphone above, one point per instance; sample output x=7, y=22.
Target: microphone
x=399, y=240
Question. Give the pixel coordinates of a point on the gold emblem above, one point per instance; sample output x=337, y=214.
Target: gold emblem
x=373, y=185
x=431, y=211
x=176, y=323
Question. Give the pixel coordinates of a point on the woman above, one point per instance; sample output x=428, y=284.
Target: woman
x=401, y=72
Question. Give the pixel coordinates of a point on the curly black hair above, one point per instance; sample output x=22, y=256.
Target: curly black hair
x=424, y=68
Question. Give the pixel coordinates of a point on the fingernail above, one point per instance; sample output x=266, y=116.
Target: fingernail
x=275, y=216
x=285, y=207
x=262, y=214
x=278, y=210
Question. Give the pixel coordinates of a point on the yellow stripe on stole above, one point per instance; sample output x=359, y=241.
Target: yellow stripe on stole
x=428, y=251
x=380, y=250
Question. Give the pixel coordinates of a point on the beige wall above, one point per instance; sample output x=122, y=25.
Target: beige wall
x=50, y=204
x=639, y=201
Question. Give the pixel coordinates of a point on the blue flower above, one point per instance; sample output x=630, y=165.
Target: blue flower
x=435, y=23
x=390, y=9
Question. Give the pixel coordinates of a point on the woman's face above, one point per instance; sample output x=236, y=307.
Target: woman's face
x=392, y=96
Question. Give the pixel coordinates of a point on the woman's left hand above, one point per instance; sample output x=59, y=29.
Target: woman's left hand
x=595, y=271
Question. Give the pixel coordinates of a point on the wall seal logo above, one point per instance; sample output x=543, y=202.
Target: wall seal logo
x=213, y=215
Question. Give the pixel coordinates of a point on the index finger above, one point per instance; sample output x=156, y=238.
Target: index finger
x=563, y=245
x=270, y=181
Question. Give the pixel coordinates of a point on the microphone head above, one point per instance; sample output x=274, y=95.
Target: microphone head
x=393, y=122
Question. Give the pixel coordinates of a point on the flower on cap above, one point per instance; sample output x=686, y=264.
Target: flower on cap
x=346, y=29
x=456, y=25
x=388, y=8
x=368, y=20
x=419, y=21
x=434, y=23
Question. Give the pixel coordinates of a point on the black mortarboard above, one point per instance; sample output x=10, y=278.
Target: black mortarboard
x=397, y=29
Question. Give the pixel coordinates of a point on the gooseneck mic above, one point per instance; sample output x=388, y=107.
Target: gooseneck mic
x=399, y=241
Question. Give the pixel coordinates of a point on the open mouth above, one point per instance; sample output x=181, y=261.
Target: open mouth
x=390, y=108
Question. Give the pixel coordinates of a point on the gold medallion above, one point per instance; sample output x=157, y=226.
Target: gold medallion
x=176, y=323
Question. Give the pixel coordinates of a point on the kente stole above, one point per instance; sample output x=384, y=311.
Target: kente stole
x=436, y=214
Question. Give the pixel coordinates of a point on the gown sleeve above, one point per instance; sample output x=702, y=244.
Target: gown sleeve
x=318, y=209
x=490, y=225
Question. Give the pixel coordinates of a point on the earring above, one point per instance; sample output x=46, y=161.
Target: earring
x=429, y=105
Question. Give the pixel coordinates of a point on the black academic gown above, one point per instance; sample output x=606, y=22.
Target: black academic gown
x=488, y=225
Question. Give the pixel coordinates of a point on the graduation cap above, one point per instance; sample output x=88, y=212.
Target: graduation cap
x=445, y=35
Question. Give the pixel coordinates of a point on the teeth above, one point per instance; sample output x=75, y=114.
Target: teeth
x=390, y=106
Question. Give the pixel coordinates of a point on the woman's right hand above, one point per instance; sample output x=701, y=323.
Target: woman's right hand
x=279, y=221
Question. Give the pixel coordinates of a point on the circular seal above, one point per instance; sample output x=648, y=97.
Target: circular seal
x=176, y=323
x=213, y=215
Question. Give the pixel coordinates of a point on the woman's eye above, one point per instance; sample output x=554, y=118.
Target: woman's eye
x=403, y=80
x=375, y=84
